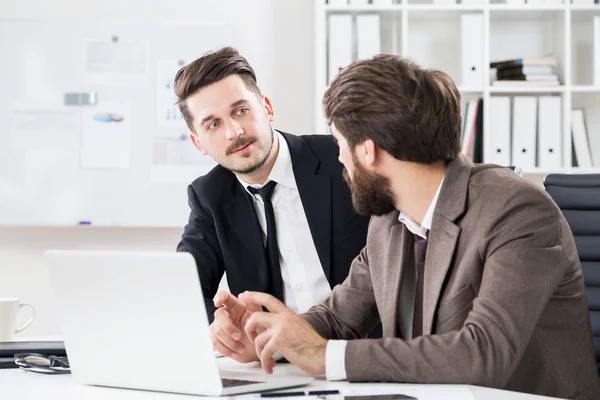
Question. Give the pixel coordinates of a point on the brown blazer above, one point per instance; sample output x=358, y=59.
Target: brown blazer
x=504, y=300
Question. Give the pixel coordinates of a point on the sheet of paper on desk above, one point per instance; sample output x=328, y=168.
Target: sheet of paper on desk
x=392, y=396
x=380, y=391
x=296, y=397
x=345, y=395
x=421, y=392
x=106, y=141
x=115, y=62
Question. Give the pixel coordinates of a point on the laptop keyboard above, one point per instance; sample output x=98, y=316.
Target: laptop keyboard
x=229, y=383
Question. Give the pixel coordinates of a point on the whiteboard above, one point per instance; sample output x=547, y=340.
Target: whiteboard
x=51, y=171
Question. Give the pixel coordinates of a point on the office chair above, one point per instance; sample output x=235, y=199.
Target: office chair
x=578, y=197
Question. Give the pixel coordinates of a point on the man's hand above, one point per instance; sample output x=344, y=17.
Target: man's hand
x=227, y=330
x=285, y=332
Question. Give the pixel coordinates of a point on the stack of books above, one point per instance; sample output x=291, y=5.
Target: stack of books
x=526, y=71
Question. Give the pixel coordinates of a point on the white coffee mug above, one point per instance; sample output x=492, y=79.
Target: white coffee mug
x=9, y=308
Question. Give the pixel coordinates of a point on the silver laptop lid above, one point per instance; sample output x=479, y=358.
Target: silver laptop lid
x=127, y=318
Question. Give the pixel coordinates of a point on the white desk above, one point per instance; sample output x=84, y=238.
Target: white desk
x=16, y=384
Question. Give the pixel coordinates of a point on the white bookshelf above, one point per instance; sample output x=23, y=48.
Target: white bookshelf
x=429, y=34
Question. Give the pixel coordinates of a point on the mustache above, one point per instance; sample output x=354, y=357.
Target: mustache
x=241, y=141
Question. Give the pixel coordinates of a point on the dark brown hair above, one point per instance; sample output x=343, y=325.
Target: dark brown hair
x=208, y=69
x=412, y=113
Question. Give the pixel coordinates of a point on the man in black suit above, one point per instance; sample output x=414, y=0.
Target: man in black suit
x=276, y=214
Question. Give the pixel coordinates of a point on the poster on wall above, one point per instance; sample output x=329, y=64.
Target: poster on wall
x=106, y=136
x=115, y=62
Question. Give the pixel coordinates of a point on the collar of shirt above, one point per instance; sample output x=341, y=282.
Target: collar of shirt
x=282, y=171
x=415, y=228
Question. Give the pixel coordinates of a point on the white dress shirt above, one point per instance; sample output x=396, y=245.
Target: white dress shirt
x=335, y=353
x=304, y=282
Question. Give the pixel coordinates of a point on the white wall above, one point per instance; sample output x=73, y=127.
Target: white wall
x=276, y=36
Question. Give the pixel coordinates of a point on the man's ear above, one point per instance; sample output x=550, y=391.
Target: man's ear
x=266, y=102
x=196, y=142
x=369, y=150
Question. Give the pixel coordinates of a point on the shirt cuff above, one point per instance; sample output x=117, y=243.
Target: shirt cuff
x=335, y=360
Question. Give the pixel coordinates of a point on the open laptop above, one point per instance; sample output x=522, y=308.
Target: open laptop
x=137, y=320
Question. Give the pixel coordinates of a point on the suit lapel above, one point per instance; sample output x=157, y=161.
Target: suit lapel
x=444, y=235
x=241, y=215
x=399, y=256
x=315, y=193
x=440, y=250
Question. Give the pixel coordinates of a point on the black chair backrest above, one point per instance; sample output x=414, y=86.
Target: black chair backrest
x=578, y=196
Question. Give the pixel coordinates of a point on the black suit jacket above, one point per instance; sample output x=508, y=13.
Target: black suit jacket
x=223, y=233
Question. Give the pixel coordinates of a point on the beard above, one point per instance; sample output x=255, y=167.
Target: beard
x=243, y=141
x=371, y=193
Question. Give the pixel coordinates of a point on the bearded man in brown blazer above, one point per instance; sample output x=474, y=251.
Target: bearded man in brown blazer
x=471, y=269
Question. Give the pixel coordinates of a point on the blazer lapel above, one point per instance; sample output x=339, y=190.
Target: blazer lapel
x=444, y=235
x=399, y=255
x=315, y=193
x=241, y=215
x=440, y=250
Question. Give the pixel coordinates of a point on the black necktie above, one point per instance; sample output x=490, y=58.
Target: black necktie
x=420, y=252
x=272, y=250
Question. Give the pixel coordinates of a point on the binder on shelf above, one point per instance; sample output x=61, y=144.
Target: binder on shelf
x=477, y=156
x=340, y=43
x=498, y=149
x=549, y=132
x=467, y=123
x=469, y=130
x=596, y=44
x=524, y=131
x=368, y=36
x=581, y=144
x=472, y=49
